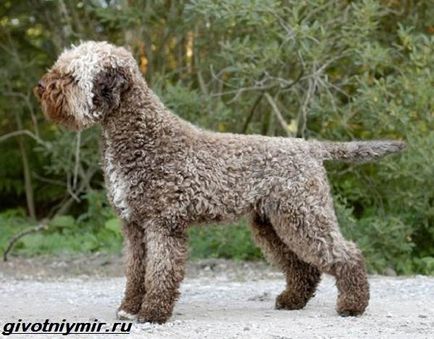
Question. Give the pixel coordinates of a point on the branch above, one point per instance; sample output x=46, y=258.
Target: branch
x=65, y=205
x=47, y=180
x=25, y=132
x=278, y=114
x=77, y=161
x=252, y=111
x=21, y=234
x=302, y=116
x=293, y=83
x=26, y=100
x=241, y=90
x=44, y=225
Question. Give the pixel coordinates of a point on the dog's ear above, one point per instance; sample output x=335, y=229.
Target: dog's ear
x=108, y=87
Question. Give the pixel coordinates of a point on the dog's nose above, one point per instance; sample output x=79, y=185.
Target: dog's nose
x=41, y=84
x=39, y=89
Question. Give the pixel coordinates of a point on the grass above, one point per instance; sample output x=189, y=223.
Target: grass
x=66, y=235
x=384, y=242
x=229, y=241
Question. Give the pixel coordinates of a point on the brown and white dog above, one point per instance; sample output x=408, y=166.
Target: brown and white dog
x=164, y=174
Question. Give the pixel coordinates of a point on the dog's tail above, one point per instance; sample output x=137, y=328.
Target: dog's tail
x=360, y=151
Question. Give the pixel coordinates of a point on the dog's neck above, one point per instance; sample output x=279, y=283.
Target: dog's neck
x=143, y=122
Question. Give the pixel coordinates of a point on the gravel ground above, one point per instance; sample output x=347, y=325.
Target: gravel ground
x=220, y=299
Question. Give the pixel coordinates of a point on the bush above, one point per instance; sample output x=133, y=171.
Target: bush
x=228, y=241
x=338, y=70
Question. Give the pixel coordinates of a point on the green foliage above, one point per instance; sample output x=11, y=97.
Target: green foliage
x=336, y=70
x=96, y=230
x=385, y=242
x=228, y=241
x=195, y=106
x=66, y=235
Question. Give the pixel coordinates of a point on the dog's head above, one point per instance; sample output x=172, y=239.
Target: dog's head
x=86, y=83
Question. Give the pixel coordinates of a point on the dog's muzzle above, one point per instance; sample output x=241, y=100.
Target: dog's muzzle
x=39, y=89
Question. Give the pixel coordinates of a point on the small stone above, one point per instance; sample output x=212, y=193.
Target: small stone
x=246, y=329
x=390, y=272
x=422, y=316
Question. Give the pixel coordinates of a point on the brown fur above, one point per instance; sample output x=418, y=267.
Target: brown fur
x=164, y=174
x=53, y=99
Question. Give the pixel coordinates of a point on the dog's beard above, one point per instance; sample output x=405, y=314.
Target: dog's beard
x=60, y=103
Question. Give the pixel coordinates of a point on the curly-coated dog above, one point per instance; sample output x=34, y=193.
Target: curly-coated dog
x=164, y=174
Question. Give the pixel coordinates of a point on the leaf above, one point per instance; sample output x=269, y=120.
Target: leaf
x=113, y=225
x=62, y=221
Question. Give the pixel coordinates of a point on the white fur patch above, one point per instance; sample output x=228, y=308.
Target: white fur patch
x=118, y=186
x=84, y=62
x=122, y=315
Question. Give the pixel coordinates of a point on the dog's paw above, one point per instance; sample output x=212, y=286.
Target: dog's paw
x=351, y=306
x=350, y=310
x=124, y=315
x=155, y=315
x=287, y=301
x=349, y=313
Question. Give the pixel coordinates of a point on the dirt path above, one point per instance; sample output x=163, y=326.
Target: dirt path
x=222, y=299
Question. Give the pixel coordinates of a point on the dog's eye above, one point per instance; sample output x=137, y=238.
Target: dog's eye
x=105, y=92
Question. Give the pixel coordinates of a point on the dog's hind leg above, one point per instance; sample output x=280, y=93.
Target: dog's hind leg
x=135, y=272
x=301, y=277
x=307, y=224
x=166, y=250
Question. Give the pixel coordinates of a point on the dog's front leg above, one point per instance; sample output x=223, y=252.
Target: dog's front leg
x=135, y=271
x=165, y=261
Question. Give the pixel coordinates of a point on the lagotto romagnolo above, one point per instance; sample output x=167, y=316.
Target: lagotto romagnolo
x=163, y=175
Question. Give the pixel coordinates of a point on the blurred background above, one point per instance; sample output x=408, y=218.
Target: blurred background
x=338, y=70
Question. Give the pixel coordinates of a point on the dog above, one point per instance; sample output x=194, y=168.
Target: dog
x=163, y=174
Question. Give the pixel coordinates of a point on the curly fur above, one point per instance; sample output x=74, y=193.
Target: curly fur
x=164, y=174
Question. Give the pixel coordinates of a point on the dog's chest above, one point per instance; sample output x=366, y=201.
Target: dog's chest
x=117, y=184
